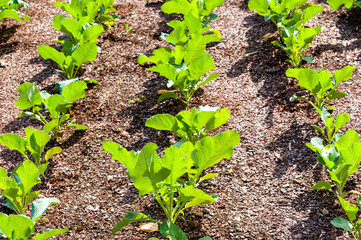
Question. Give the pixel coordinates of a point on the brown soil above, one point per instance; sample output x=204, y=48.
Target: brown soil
x=263, y=190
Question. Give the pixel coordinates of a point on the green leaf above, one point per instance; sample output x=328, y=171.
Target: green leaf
x=200, y=66
x=27, y=176
x=347, y=140
x=163, y=122
x=77, y=126
x=29, y=96
x=128, y=159
x=340, y=222
x=307, y=78
x=166, y=96
x=194, y=197
x=16, y=226
x=148, y=170
x=38, y=207
x=261, y=6
x=85, y=53
x=74, y=91
x=208, y=176
x=322, y=185
x=92, y=33
x=351, y=210
x=14, y=142
x=174, y=159
x=207, y=80
x=172, y=231
x=341, y=120
x=131, y=218
x=343, y=75
x=220, y=118
x=211, y=150
x=47, y=52
x=177, y=6
x=53, y=151
x=49, y=233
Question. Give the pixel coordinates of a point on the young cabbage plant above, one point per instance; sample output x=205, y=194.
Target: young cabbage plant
x=17, y=190
x=200, y=9
x=351, y=225
x=56, y=105
x=294, y=43
x=34, y=143
x=336, y=4
x=321, y=85
x=15, y=227
x=78, y=32
x=193, y=125
x=173, y=179
x=11, y=9
x=70, y=60
x=90, y=11
x=341, y=158
x=188, y=29
x=290, y=18
x=184, y=67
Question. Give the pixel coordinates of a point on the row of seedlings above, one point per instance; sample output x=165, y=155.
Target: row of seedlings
x=52, y=110
x=339, y=153
x=174, y=179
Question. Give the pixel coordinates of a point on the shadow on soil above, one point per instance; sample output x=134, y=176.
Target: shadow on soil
x=265, y=63
x=292, y=149
x=316, y=224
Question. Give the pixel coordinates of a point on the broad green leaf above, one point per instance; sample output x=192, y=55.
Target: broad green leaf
x=352, y=156
x=14, y=142
x=74, y=91
x=165, y=70
x=163, y=122
x=49, y=233
x=38, y=207
x=177, y=6
x=336, y=4
x=172, y=231
x=29, y=96
x=351, y=210
x=200, y=66
x=311, y=10
x=322, y=185
x=85, y=53
x=341, y=120
x=16, y=226
x=347, y=140
x=261, y=6
x=30, y=197
x=307, y=78
x=47, y=52
x=220, y=118
x=148, y=170
x=174, y=159
x=211, y=150
x=27, y=176
x=194, y=197
x=92, y=33
x=50, y=126
x=53, y=151
x=343, y=75
x=166, y=96
x=128, y=159
x=131, y=217
x=340, y=222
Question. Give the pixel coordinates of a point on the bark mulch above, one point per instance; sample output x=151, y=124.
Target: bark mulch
x=263, y=190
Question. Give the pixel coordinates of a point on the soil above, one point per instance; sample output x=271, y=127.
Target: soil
x=263, y=190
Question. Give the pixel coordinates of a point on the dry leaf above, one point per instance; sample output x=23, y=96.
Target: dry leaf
x=148, y=227
x=277, y=155
x=269, y=35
